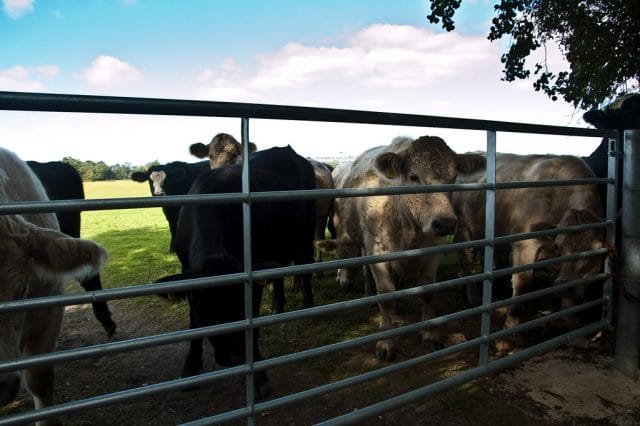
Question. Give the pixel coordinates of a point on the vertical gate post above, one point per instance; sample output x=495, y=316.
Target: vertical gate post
x=628, y=324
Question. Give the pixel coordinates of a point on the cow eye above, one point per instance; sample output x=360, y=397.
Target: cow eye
x=414, y=178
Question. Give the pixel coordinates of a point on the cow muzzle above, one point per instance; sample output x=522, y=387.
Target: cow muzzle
x=443, y=225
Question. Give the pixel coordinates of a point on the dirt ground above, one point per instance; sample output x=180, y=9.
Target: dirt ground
x=569, y=386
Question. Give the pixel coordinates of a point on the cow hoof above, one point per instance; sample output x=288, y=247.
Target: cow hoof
x=109, y=327
x=385, y=352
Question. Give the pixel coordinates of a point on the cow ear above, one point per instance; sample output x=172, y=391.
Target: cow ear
x=470, y=163
x=55, y=253
x=199, y=150
x=252, y=147
x=140, y=176
x=389, y=164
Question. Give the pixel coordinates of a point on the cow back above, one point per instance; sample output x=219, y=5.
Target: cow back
x=281, y=230
x=61, y=182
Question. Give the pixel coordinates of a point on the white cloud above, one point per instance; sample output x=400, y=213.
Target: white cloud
x=48, y=70
x=395, y=68
x=19, y=79
x=16, y=9
x=380, y=57
x=107, y=71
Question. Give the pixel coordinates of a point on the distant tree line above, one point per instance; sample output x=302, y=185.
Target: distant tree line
x=95, y=171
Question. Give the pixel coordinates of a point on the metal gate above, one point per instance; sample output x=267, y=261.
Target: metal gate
x=246, y=112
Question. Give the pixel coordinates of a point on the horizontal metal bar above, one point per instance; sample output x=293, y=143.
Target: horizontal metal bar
x=505, y=239
x=153, y=106
x=199, y=283
x=167, y=338
x=537, y=322
x=362, y=414
x=182, y=335
x=547, y=262
x=253, y=197
x=536, y=294
x=341, y=384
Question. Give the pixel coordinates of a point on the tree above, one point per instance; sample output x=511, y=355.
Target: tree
x=598, y=38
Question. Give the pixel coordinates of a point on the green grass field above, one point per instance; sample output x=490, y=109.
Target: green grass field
x=137, y=239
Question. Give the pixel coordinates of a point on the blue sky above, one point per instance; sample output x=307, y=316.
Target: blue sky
x=375, y=55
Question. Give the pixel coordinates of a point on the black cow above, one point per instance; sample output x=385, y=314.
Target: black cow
x=173, y=178
x=624, y=113
x=209, y=242
x=62, y=182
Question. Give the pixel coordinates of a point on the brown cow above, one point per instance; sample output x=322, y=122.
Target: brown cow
x=223, y=150
x=526, y=209
x=384, y=224
x=35, y=258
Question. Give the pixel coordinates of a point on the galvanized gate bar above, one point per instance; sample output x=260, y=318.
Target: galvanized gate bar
x=154, y=106
x=467, y=376
x=628, y=330
x=489, y=234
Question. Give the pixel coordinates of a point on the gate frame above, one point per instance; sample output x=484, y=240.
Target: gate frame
x=119, y=105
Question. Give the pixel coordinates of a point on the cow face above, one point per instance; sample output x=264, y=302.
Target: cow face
x=163, y=179
x=33, y=263
x=156, y=182
x=425, y=161
x=223, y=150
x=624, y=113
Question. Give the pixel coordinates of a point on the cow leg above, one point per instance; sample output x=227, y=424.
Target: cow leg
x=431, y=336
x=40, y=382
x=524, y=252
x=307, y=291
x=261, y=381
x=369, y=283
x=385, y=349
x=467, y=260
x=277, y=296
x=193, y=361
x=100, y=309
x=44, y=328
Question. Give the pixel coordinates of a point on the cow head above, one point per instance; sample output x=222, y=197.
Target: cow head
x=162, y=179
x=33, y=263
x=571, y=243
x=623, y=113
x=223, y=150
x=425, y=161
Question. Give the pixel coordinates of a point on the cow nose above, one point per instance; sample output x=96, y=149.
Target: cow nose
x=444, y=225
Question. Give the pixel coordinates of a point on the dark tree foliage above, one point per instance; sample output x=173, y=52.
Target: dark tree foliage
x=94, y=171
x=599, y=39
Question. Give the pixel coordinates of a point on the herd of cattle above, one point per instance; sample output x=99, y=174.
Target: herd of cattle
x=37, y=251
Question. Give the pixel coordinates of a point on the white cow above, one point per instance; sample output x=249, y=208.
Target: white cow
x=34, y=259
x=384, y=224
x=524, y=210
